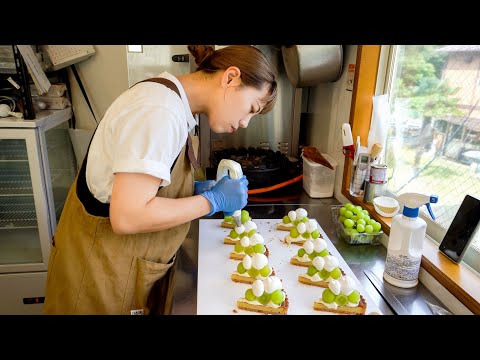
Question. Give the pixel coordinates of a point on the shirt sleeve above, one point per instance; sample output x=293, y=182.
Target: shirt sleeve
x=147, y=140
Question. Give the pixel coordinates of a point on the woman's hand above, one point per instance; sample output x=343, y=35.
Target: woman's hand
x=202, y=186
x=228, y=195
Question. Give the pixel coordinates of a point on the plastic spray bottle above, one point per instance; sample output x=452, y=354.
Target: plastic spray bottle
x=405, y=243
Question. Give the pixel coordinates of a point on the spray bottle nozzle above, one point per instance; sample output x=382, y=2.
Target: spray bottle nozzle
x=413, y=201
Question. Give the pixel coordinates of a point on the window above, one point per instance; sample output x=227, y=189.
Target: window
x=433, y=143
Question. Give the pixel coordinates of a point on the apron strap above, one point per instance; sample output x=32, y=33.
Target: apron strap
x=171, y=85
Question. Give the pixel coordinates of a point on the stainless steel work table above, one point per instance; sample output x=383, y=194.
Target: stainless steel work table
x=358, y=257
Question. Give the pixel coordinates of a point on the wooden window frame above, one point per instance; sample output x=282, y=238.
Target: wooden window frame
x=460, y=280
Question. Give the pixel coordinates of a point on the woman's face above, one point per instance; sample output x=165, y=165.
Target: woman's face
x=233, y=105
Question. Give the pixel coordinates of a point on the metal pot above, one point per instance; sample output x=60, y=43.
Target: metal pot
x=309, y=65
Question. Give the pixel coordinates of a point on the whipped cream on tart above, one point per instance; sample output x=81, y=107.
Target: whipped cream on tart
x=229, y=223
x=265, y=296
x=254, y=244
x=341, y=297
x=303, y=232
x=322, y=271
x=236, y=234
x=292, y=219
x=252, y=268
x=309, y=250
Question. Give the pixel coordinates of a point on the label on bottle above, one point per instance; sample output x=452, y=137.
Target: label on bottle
x=402, y=267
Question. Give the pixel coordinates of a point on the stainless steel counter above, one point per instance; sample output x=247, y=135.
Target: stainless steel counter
x=358, y=257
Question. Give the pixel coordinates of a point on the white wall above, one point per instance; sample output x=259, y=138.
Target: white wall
x=329, y=107
x=104, y=77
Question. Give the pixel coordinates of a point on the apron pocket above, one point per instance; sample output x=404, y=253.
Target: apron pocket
x=147, y=273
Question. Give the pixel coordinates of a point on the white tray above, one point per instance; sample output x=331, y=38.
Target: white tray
x=217, y=293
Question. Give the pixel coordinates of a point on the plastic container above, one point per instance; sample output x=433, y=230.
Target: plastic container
x=405, y=243
x=319, y=180
x=353, y=238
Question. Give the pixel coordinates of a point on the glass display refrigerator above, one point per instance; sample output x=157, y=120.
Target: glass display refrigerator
x=37, y=167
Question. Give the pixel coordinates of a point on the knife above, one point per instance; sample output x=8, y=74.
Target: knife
x=391, y=300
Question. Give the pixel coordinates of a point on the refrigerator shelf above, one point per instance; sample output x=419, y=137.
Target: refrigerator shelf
x=15, y=182
x=13, y=150
x=17, y=215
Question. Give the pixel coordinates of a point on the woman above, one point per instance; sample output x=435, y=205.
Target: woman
x=130, y=207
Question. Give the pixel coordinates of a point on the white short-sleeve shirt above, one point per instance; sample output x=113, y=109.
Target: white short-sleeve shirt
x=143, y=131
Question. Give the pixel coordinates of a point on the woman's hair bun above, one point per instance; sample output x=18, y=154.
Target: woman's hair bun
x=201, y=52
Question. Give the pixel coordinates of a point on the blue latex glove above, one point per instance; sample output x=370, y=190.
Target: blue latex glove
x=201, y=186
x=228, y=195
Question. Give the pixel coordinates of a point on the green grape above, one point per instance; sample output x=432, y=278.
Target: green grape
x=306, y=235
x=253, y=272
x=315, y=234
x=354, y=218
x=296, y=222
x=369, y=228
x=361, y=222
x=360, y=228
x=328, y=296
x=359, y=209
x=349, y=206
x=301, y=252
x=249, y=295
x=245, y=216
x=365, y=212
x=294, y=233
x=335, y=273
x=348, y=214
x=360, y=216
x=354, y=297
x=251, y=232
x=348, y=231
x=353, y=232
x=243, y=234
x=228, y=218
x=312, y=270
x=238, y=247
x=312, y=255
x=348, y=223
x=371, y=222
x=233, y=234
x=341, y=299
x=277, y=297
x=323, y=253
x=342, y=210
x=341, y=219
x=240, y=268
x=366, y=217
x=305, y=219
x=265, y=271
x=264, y=298
x=377, y=226
x=324, y=274
x=286, y=219
x=259, y=248
x=249, y=250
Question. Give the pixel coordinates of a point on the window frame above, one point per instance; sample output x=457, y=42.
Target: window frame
x=459, y=279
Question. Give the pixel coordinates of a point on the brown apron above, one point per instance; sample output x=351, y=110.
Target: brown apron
x=92, y=270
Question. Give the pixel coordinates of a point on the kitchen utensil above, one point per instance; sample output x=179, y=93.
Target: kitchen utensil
x=311, y=153
x=386, y=294
x=309, y=65
x=347, y=139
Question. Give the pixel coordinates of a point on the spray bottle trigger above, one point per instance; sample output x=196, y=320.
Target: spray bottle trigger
x=430, y=210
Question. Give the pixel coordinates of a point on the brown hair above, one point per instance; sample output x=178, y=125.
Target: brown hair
x=256, y=70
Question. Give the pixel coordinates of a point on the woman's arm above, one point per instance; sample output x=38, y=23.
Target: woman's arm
x=135, y=208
